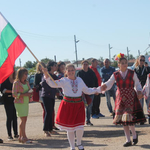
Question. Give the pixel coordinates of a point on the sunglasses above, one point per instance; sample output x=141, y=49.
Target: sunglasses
x=142, y=60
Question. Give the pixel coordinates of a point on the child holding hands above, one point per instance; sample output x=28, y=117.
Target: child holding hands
x=128, y=110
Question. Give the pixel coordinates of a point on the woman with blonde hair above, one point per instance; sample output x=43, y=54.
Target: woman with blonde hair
x=71, y=112
x=136, y=62
x=37, y=83
x=22, y=93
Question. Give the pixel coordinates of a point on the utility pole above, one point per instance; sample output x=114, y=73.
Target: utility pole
x=128, y=53
x=55, y=58
x=20, y=62
x=76, y=41
x=109, y=52
x=139, y=52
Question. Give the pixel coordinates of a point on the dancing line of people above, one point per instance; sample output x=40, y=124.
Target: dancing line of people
x=70, y=88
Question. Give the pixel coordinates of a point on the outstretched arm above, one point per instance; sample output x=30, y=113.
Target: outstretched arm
x=90, y=91
x=107, y=85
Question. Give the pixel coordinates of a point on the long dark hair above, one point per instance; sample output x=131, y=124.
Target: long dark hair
x=59, y=64
x=50, y=64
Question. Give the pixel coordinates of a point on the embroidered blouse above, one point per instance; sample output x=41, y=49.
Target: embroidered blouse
x=111, y=81
x=72, y=88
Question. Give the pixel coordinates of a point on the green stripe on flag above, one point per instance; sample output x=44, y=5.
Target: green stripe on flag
x=7, y=37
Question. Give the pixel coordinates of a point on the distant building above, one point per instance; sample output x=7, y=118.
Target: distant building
x=67, y=62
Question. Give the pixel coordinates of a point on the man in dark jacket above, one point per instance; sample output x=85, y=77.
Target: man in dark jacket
x=142, y=73
x=90, y=79
x=97, y=98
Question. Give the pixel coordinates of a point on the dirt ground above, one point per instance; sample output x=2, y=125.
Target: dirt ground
x=102, y=136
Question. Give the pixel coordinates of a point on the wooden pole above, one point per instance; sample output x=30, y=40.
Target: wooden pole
x=41, y=64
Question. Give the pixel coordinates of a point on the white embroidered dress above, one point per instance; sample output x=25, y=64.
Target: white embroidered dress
x=71, y=116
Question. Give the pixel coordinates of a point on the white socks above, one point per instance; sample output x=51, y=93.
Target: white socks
x=79, y=135
x=127, y=132
x=133, y=132
x=71, y=138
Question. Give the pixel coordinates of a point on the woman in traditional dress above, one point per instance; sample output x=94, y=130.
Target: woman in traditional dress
x=71, y=112
x=128, y=110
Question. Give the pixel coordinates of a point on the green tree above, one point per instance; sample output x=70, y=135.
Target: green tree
x=131, y=57
x=32, y=71
x=101, y=59
x=28, y=64
x=147, y=53
x=34, y=63
x=114, y=63
x=46, y=60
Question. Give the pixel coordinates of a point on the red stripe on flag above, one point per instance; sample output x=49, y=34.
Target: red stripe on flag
x=15, y=49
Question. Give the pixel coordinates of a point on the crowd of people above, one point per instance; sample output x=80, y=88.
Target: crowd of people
x=80, y=95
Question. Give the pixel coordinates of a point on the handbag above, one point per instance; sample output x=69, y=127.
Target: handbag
x=35, y=95
x=86, y=99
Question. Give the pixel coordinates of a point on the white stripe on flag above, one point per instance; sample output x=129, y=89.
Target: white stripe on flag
x=3, y=23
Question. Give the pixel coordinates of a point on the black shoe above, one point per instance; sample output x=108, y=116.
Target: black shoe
x=142, y=123
x=16, y=136
x=88, y=123
x=55, y=128
x=80, y=147
x=1, y=141
x=149, y=119
x=10, y=138
x=127, y=144
x=135, y=141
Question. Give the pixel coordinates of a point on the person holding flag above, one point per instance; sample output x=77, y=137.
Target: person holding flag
x=71, y=112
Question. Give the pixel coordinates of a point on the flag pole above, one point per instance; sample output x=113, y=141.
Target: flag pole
x=40, y=64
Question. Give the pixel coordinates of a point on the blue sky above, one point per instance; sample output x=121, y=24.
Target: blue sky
x=48, y=27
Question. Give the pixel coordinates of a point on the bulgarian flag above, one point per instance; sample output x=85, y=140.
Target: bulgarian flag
x=11, y=46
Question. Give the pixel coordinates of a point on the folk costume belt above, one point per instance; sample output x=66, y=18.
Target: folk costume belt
x=72, y=99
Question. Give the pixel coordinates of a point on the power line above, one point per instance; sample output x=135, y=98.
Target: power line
x=92, y=43
x=44, y=36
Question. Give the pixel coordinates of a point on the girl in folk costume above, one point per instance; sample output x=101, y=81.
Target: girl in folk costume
x=146, y=91
x=128, y=110
x=71, y=112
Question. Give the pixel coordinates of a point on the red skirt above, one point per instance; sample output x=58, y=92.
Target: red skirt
x=71, y=112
